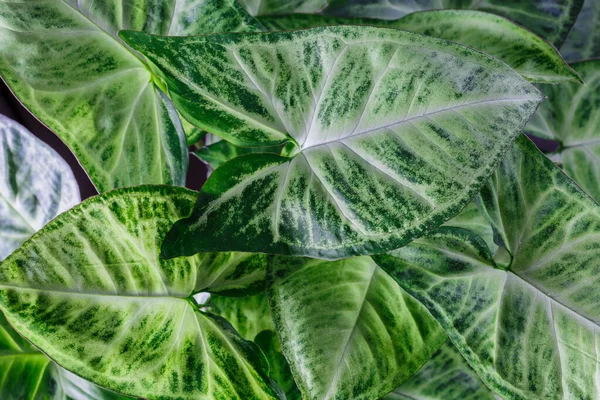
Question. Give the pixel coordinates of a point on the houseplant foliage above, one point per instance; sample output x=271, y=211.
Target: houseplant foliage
x=376, y=224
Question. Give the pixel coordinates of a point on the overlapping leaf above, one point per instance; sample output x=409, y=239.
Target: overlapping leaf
x=531, y=331
x=528, y=54
x=86, y=86
x=249, y=315
x=217, y=153
x=395, y=133
x=583, y=41
x=91, y=290
x=445, y=376
x=472, y=219
x=347, y=328
x=571, y=116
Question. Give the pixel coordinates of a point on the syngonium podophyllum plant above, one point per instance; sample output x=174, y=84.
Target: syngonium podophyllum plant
x=376, y=224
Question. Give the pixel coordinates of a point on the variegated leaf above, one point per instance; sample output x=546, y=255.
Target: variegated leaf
x=527, y=53
x=395, y=132
x=571, y=116
x=249, y=315
x=446, y=376
x=346, y=327
x=583, y=41
x=91, y=291
x=222, y=151
x=551, y=19
x=531, y=330
x=231, y=273
x=472, y=219
x=279, y=367
x=35, y=185
x=90, y=89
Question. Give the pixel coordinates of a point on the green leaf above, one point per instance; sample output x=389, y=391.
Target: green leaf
x=445, y=376
x=35, y=185
x=92, y=292
x=86, y=86
x=346, y=327
x=231, y=273
x=472, y=219
x=571, y=116
x=249, y=315
x=192, y=133
x=530, y=331
x=522, y=50
x=584, y=38
x=396, y=132
x=217, y=153
x=550, y=20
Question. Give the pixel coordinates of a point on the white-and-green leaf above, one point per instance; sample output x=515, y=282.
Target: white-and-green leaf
x=35, y=185
x=231, y=273
x=222, y=151
x=521, y=49
x=531, y=330
x=346, y=327
x=93, y=293
x=63, y=61
x=583, y=41
x=571, y=116
x=472, y=219
x=395, y=132
x=446, y=376
x=249, y=315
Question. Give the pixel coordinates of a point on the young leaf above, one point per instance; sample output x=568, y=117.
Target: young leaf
x=249, y=315
x=91, y=291
x=395, y=133
x=527, y=53
x=445, y=376
x=35, y=185
x=571, y=116
x=217, y=153
x=530, y=331
x=100, y=98
x=346, y=327
x=583, y=41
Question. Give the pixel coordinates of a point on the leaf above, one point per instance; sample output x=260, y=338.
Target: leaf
x=522, y=50
x=346, y=328
x=92, y=292
x=236, y=274
x=584, y=38
x=192, y=133
x=388, y=148
x=223, y=151
x=249, y=315
x=571, y=116
x=445, y=376
x=530, y=331
x=35, y=185
x=551, y=20
x=470, y=218
x=94, y=93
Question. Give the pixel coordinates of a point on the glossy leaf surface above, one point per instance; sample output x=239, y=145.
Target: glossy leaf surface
x=531, y=331
x=231, y=273
x=36, y=185
x=571, y=116
x=346, y=327
x=395, y=133
x=222, y=151
x=249, y=315
x=91, y=290
x=583, y=41
x=445, y=376
x=522, y=50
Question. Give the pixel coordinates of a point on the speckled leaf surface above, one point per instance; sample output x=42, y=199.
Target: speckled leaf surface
x=395, y=133
x=531, y=331
x=231, y=273
x=249, y=315
x=445, y=376
x=583, y=41
x=267, y=7
x=522, y=50
x=571, y=116
x=472, y=219
x=91, y=290
x=346, y=327
x=36, y=185
x=279, y=368
x=222, y=151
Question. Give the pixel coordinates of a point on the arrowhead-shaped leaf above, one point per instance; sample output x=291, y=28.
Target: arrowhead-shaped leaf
x=91, y=291
x=347, y=328
x=527, y=53
x=571, y=116
x=530, y=331
x=395, y=132
x=445, y=376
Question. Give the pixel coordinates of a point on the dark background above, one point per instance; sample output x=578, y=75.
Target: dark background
x=12, y=108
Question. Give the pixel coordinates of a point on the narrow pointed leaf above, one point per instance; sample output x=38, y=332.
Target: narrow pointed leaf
x=522, y=50
x=91, y=291
x=531, y=331
x=571, y=116
x=35, y=185
x=583, y=41
x=445, y=376
x=396, y=132
x=347, y=328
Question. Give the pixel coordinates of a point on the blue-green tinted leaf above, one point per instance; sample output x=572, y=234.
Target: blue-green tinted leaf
x=222, y=151
x=584, y=38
